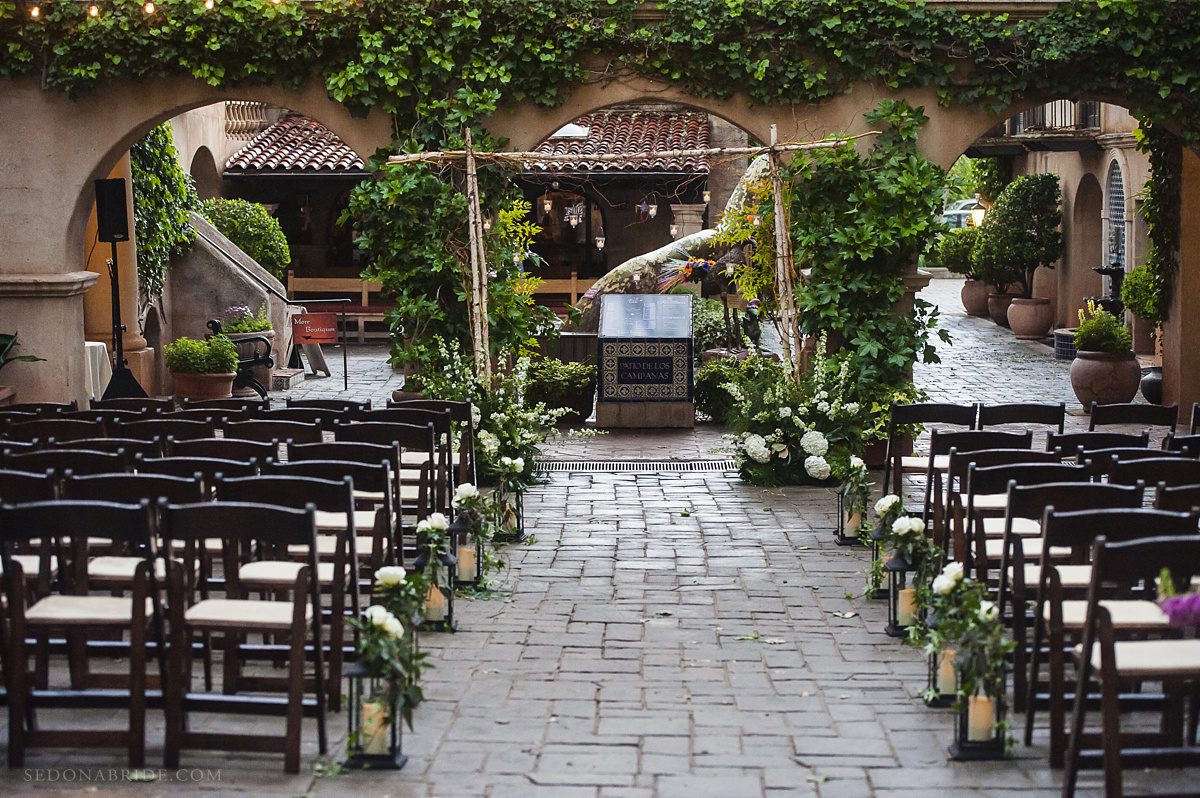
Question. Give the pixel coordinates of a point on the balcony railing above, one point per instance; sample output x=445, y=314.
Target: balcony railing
x=1057, y=116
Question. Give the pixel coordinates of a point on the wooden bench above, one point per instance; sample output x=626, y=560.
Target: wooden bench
x=360, y=313
x=571, y=286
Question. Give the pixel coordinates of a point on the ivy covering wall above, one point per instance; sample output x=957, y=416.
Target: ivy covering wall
x=163, y=195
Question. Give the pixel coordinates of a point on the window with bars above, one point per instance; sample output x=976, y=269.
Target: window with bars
x=1115, y=234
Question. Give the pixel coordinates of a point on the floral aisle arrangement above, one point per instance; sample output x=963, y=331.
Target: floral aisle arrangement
x=1183, y=609
x=912, y=552
x=887, y=509
x=434, y=565
x=855, y=495
x=789, y=433
x=479, y=514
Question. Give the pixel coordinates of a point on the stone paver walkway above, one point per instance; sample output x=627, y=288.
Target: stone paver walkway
x=673, y=636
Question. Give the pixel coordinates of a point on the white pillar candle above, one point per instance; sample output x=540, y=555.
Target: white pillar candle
x=906, y=607
x=435, y=604
x=981, y=717
x=852, y=523
x=947, y=679
x=374, y=734
x=466, y=562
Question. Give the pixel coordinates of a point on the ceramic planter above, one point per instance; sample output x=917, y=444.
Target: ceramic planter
x=975, y=297
x=998, y=307
x=203, y=386
x=1104, y=377
x=1152, y=390
x=1030, y=319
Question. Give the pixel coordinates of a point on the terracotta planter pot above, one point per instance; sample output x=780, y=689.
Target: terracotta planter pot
x=998, y=307
x=247, y=348
x=203, y=386
x=1104, y=377
x=975, y=297
x=1030, y=319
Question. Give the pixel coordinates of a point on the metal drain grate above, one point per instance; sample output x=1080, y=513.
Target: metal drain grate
x=634, y=466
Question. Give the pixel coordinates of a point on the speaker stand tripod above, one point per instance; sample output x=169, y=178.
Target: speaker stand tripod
x=123, y=384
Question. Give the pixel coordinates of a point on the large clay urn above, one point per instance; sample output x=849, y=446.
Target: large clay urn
x=998, y=307
x=975, y=297
x=1030, y=319
x=203, y=386
x=1105, y=377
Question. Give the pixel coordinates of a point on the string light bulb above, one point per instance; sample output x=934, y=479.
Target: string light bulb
x=93, y=10
x=210, y=4
x=547, y=204
x=35, y=10
x=707, y=196
x=652, y=211
x=600, y=243
x=674, y=230
x=148, y=7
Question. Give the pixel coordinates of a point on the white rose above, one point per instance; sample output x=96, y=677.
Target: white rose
x=942, y=584
x=902, y=526
x=988, y=611
x=390, y=575
x=464, y=493
x=814, y=443
x=886, y=504
x=953, y=571
x=375, y=613
x=393, y=627
x=856, y=462
x=437, y=521
x=816, y=467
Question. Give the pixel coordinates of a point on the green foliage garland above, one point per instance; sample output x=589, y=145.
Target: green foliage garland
x=1160, y=208
x=163, y=195
x=255, y=231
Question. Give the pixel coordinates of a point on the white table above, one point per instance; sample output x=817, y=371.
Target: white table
x=99, y=368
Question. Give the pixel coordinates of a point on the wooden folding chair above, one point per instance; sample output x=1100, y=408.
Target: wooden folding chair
x=61, y=429
x=1178, y=498
x=1125, y=568
x=1074, y=443
x=1023, y=413
x=243, y=403
x=257, y=430
x=940, y=444
x=344, y=405
x=78, y=615
x=418, y=457
x=959, y=463
x=462, y=417
x=443, y=463
x=333, y=501
x=249, y=532
x=43, y=408
x=225, y=449
x=899, y=458
x=1022, y=552
x=110, y=418
x=325, y=416
x=177, y=428
x=1134, y=413
x=1176, y=443
x=145, y=405
x=208, y=467
x=1169, y=471
x=1058, y=618
x=130, y=446
x=81, y=461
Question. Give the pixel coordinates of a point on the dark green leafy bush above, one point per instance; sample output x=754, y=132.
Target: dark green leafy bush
x=953, y=251
x=708, y=325
x=713, y=398
x=255, y=231
x=163, y=195
x=559, y=384
x=216, y=355
x=1140, y=292
x=1021, y=232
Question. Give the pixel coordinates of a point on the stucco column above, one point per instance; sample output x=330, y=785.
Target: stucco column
x=1181, y=332
x=45, y=312
x=97, y=302
x=690, y=218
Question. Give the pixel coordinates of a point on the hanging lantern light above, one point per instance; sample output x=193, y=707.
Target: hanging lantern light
x=547, y=204
x=653, y=211
x=600, y=243
x=487, y=224
x=674, y=230
x=707, y=196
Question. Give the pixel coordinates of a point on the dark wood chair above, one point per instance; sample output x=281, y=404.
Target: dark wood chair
x=1059, y=619
x=1172, y=471
x=1175, y=443
x=61, y=429
x=81, y=461
x=333, y=501
x=1128, y=568
x=8, y=418
x=111, y=418
x=207, y=467
x=344, y=405
x=1178, y=499
x=954, y=528
x=176, y=428
x=1022, y=554
x=1073, y=443
x=252, y=403
x=215, y=415
x=1134, y=413
x=249, y=532
x=443, y=434
x=225, y=449
x=1099, y=461
x=259, y=430
x=325, y=416
x=131, y=446
x=146, y=405
x=462, y=416
x=418, y=460
x=1023, y=413
x=17, y=487
x=43, y=408
x=79, y=616
x=902, y=420
x=940, y=444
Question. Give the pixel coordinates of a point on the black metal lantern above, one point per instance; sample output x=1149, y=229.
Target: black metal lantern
x=438, y=611
x=979, y=729
x=876, y=535
x=902, y=599
x=942, y=687
x=374, y=734
x=849, y=522
x=510, y=516
x=468, y=553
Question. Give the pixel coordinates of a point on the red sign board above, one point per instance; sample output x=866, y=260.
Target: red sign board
x=314, y=328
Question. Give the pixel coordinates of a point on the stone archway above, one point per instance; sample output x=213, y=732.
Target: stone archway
x=1084, y=248
x=205, y=174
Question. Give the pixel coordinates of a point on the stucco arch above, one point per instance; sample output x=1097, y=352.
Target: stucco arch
x=205, y=173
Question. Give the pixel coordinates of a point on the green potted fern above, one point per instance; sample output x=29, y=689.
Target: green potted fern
x=8, y=342
x=202, y=368
x=1105, y=370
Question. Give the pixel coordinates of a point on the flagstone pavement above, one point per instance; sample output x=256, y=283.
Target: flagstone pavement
x=669, y=635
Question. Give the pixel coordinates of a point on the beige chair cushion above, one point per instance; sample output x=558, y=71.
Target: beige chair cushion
x=1125, y=614
x=1072, y=576
x=920, y=463
x=1154, y=659
x=410, y=458
x=327, y=546
x=1032, y=548
x=988, y=501
x=363, y=520
x=277, y=573
x=111, y=568
x=58, y=610
x=993, y=527
x=369, y=495
x=236, y=614
x=31, y=563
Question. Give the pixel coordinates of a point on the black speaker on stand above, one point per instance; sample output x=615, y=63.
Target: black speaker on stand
x=112, y=225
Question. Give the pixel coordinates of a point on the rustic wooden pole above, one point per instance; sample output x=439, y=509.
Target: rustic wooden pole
x=785, y=299
x=478, y=262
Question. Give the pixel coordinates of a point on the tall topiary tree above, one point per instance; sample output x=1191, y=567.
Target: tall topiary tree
x=1022, y=231
x=163, y=194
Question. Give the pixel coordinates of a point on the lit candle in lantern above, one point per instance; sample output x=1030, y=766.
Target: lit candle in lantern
x=852, y=521
x=906, y=607
x=466, y=562
x=374, y=729
x=947, y=679
x=435, y=604
x=981, y=716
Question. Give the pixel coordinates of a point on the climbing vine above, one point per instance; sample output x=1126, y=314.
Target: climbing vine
x=1160, y=207
x=163, y=195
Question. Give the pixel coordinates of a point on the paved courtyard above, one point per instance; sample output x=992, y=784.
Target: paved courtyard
x=669, y=635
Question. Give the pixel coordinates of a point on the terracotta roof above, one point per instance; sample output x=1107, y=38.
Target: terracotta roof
x=295, y=144
x=615, y=132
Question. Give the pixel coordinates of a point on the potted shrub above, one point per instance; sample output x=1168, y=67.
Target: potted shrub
x=1022, y=232
x=998, y=275
x=558, y=384
x=953, y=253
x=242, y=325
x=1141, y=294
x=1105, y=369
x=204, y=368
x=8, y=342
